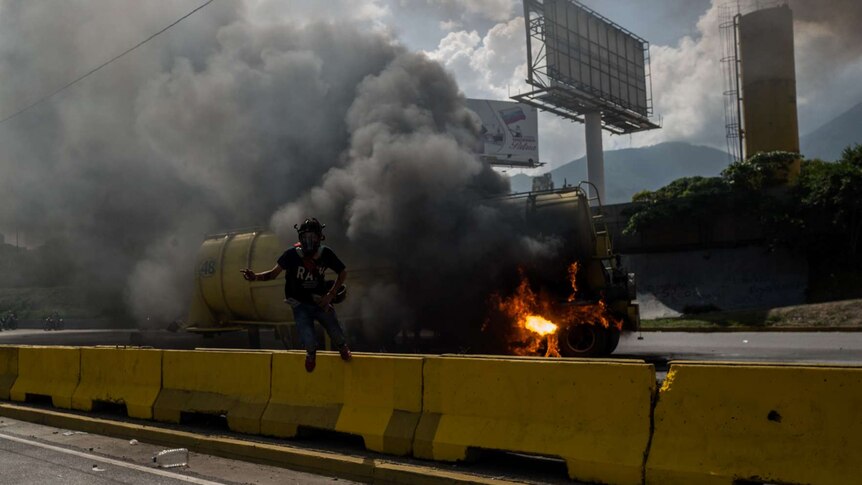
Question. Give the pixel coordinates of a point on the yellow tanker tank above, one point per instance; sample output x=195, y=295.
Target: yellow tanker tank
x=223, y=300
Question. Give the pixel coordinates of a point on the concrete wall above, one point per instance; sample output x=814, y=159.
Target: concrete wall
x=737, y=278
x=721, y=263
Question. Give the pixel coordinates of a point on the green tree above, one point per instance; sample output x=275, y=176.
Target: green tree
x=829, y=196
x=764, y=170
x=822, y=211
x=688, y=197
x=740, y=188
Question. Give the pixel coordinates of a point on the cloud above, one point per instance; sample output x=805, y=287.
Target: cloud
x=687, y=87
x=495, y=10
x=449, y=25
x=686, y=76
x=828, y=59
x=687, y=82
x=304, y=12
x=493, y=65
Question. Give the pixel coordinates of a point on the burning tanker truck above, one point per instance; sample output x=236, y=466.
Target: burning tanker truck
x=576, y=307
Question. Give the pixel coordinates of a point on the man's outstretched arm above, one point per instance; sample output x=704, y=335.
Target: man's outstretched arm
x=250, y=275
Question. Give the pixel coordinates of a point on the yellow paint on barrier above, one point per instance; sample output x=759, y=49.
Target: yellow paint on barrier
x=8, y=369
x=234, y=384
x=124, y=376
x=378, y=397
x=718, y=423
x=47, y=371
x=596, y=416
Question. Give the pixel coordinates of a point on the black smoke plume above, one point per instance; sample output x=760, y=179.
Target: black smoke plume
x=221, y=123
x=411, y=196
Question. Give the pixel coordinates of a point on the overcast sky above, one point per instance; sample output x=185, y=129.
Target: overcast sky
x=482, y=43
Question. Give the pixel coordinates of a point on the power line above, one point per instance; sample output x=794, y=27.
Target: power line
x=96, y=69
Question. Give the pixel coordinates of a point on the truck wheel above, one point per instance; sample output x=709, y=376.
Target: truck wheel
x=612, y=340
x=583, y=341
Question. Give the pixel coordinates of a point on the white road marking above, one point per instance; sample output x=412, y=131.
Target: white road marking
x=131, y=466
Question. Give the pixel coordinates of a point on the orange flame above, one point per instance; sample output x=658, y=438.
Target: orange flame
x=573, y=276
x=532, y=315
x=526, y=308
x=539, y=325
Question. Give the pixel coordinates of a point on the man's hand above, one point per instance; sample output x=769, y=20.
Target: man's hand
x=248, y=274
x=326, y=300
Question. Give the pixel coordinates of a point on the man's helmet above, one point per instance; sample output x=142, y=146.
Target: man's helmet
x=310, y=234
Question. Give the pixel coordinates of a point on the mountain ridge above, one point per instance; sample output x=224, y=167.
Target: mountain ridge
x=830, y=139
x=631, y=170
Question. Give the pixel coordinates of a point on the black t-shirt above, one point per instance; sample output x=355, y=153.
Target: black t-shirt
x=303, y=278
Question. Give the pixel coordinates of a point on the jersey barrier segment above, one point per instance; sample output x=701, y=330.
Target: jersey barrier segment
x=47, y=371
x=378, y=397
x=132, y=377
x=233, y=384
x=8, y=369
x=710, y=423
x=594, y=415
x=722, y=423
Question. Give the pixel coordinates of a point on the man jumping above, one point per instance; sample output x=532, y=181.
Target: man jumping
x=305, y=289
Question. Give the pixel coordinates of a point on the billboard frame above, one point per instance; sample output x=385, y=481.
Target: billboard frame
x=567, y=100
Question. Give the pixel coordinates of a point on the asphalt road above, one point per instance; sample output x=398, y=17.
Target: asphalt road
x=656, y=347
x=798, y=347
x=36, y=454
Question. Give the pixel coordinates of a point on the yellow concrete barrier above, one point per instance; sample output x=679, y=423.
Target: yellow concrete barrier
x=595, y=415
x=719, y=423
x=124, y=376
x=378, y=397
x=8, y=370
x=234, y=384
x=47, y=371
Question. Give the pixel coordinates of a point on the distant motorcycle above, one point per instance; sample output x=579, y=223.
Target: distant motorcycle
x=53, y=322
x=9, y=321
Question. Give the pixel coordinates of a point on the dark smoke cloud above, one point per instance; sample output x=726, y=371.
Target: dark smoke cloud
x=74, y=167
x=414, y=198
x=828, y=58
x=219, y=123
x=841, y=18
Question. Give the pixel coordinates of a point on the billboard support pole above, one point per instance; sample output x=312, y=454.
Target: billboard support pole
x=595, y=154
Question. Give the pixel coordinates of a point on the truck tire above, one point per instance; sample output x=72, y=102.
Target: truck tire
x=612, y=340
x=582, y=341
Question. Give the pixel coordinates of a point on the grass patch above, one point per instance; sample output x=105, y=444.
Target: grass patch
x=839, y=314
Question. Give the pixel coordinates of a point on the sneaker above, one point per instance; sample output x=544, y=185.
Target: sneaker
x=345, y=353
x=310, y=362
